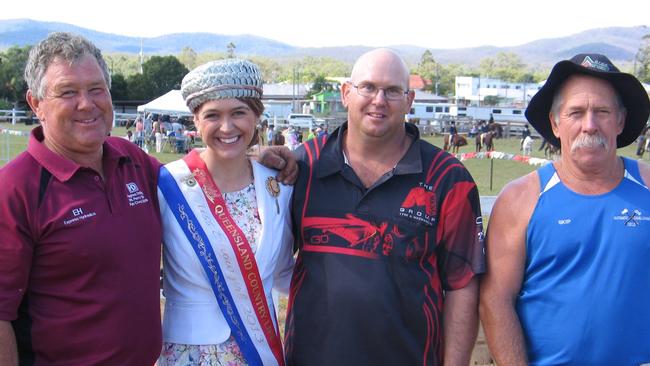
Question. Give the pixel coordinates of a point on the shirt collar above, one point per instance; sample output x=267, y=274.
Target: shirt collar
x=63, y=168
x=332, y=160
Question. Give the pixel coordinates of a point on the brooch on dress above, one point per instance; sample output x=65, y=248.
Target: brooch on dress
x=189, y=180
x=273, y=187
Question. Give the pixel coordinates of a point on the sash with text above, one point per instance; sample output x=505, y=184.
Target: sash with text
x=257, y=350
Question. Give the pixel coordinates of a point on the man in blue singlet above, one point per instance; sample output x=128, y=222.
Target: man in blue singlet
x=568, y=245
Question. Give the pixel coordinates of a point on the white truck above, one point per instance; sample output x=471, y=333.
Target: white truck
x=303, y=121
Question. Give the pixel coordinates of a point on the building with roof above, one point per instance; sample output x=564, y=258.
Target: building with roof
x=417, y=82
x=479, y=91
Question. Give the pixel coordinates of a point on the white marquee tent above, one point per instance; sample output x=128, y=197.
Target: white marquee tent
x=171, y=103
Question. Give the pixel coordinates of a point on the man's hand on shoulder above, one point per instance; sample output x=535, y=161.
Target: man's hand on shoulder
x=282, y=159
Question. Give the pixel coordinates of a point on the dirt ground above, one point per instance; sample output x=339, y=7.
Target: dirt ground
x=480, y=355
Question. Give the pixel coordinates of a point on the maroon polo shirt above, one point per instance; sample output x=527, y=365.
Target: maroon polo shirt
x=80, y=256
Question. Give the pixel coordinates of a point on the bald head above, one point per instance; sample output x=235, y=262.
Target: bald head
x=381, y=59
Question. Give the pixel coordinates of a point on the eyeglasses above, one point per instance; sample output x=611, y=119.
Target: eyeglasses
x=390, y=93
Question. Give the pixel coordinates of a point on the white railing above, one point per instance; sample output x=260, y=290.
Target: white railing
x=119, y=119
x=14, y=116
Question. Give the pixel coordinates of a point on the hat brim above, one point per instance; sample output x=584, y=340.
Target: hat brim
x=633, y=95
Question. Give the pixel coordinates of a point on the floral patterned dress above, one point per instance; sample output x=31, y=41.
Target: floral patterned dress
x=242, y=206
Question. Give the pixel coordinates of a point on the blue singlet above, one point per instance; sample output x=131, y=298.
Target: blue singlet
x=585, y=298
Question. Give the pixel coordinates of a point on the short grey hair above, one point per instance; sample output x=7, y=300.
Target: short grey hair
x=557, y=102
x=60, y=46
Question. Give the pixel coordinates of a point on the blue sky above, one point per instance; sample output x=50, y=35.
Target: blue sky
x=428, y=23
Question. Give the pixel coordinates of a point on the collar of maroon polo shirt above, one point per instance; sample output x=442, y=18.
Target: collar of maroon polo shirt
x=62, y=168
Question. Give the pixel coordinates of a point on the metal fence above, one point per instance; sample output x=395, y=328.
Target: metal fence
x=12, y=142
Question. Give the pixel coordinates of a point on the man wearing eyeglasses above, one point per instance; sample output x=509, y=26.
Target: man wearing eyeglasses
x=389, y=230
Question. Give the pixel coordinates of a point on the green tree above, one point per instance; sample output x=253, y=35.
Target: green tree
x=188, y=57
x=271, y=69
x=123, y=63
x=509, y=66
x=526, y=77
x=209, y=56
x=159, y=75
x=138, y=88
x=12, y=66
x=427, y=65
x=492, y=100
x=506, y=66
x=429, y=69
x=311, y=68
x=230, y=48
x=447, y=78
x=443, y=77
x=119, y=87
x=642, y=60
x=486, y=67
x=318, y=85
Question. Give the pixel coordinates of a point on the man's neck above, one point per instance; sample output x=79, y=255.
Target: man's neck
x=371, y=158
x=591, y=180
x=88, y=160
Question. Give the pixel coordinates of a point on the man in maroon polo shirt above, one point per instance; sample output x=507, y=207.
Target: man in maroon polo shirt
x=80, y=231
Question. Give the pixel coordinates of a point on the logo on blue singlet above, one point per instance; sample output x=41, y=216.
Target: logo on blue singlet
x=631, y=218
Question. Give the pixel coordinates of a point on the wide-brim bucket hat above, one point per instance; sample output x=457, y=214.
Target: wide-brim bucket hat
x=631, y=92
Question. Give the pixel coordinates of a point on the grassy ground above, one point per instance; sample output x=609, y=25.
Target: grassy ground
x=504, y=171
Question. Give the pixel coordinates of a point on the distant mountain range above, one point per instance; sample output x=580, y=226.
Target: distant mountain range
x=619, y=43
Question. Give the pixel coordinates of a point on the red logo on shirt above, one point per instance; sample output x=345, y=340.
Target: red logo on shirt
x=420, y=204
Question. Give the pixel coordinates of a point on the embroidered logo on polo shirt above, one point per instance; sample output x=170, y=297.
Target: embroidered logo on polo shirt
x=132, y=187
x=135, y=195
x=420, y=205
x=78, y=215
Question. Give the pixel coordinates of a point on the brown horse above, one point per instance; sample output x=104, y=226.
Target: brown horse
x=486, y=139
x=496, y=128
x=551, y=151
x=455, y=144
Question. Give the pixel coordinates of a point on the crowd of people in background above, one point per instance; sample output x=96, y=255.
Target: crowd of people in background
x=162, y=130
x=289, y=136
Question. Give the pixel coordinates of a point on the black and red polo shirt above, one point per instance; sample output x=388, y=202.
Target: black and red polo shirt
x=373, y=263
